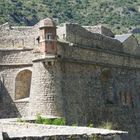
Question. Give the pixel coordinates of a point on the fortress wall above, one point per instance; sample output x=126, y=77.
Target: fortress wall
x=18, y=42
x=17, y=37
x=94, y=94
x=7, y=29
x=22, y=108
x=93, y=55
x=46, y=94
x=100, y=29
x=79, y=35
x=101, y=87
x=10, y=108
x=16, y=56
x=131, y=45
x=12, y=62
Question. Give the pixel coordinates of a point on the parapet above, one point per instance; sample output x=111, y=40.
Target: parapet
x=129, y=42
x=98, y=37
x=76, y=34
x=100, y=29
x=18, y=36
x=16, y=56
x=88, y=36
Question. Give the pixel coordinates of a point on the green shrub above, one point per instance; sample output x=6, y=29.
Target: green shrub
x=39, y=119
x=57, y=121
x=47, y=121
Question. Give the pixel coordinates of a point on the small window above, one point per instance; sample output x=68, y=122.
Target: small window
x=49, y=36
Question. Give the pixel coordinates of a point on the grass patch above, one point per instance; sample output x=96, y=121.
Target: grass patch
x=43, y=120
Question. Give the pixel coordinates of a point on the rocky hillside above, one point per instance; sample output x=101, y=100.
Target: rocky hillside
x=121, y=15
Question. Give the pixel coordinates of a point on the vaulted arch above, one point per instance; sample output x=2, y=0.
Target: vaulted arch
x=22, y=84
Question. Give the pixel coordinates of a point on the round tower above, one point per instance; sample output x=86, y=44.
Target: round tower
x=47, y=36
x=46, y=90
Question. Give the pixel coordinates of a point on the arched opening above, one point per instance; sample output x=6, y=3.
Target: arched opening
x=105, y=74
x=22, y=84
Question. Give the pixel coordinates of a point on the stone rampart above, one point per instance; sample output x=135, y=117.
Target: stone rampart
x=46, y=91
x=22, y=106
x=100, y=85
x=43, y=132
x=100, y=29
x=98, y=56
x=79, y=35
x=18, y=37
x=10, y=108
x=12, y=62
x=15, y=56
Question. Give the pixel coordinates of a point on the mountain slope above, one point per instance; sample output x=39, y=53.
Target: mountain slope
x=120, y=15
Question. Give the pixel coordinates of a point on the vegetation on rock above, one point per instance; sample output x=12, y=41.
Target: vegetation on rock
x=50, y=121
x=121, y=15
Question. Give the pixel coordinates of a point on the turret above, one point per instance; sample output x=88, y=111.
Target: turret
x=46, y=90
x=47, y=36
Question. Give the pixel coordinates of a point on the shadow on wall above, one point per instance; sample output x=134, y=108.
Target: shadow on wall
x=7, y=106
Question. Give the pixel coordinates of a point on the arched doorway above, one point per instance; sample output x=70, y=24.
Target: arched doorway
x=22, y=84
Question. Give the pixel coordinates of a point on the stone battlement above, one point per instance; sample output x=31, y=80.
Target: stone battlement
x=103, y=39
x=18, y=37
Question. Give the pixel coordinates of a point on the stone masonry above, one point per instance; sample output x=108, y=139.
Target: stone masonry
x=81, y=75
x=15, y=131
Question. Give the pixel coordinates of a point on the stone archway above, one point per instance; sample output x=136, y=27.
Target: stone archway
x=22, y=84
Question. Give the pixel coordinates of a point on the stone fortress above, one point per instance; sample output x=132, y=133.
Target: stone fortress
x=84, y=74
